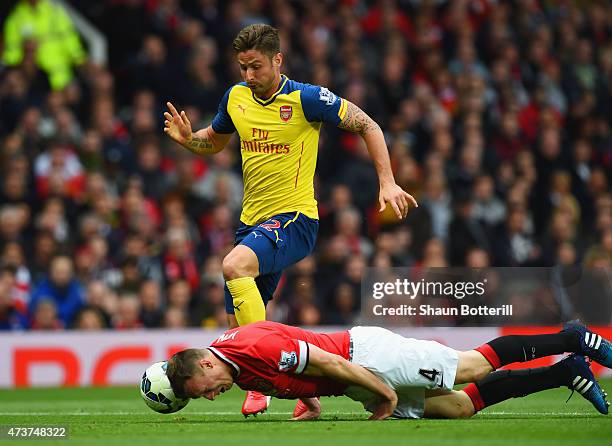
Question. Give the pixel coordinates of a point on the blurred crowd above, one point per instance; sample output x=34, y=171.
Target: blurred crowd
x=497, y=115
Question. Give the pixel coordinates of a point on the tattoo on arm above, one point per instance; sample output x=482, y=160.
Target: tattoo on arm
x=200, y=146
x=357, y=121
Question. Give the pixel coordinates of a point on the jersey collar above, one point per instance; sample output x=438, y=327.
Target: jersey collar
x=233, y=366
x=273, y=97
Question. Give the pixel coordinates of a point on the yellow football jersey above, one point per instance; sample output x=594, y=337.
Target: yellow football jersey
x=279, y=140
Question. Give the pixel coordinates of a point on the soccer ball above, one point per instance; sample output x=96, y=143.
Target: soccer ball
x=156, y=390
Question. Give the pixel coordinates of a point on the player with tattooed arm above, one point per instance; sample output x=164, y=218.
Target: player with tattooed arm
x=278, y=121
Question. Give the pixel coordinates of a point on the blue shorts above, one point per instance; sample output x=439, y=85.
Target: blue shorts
x=278, y=242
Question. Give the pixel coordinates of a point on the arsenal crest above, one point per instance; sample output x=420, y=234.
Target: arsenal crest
x=286, y=111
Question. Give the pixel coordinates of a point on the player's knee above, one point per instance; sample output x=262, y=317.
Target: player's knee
x=464, y=411
x=463, y=407
x=235, y=267
x=230, y=269
x=481, y=369
x=448, y=404
x=472, y=367
x=476, y=373
x=240, y=262
x=460, y=408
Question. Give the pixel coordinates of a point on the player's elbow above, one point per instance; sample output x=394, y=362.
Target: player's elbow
x=374, y=127
x=218, y=140
x=337, y=362
x=371, y=129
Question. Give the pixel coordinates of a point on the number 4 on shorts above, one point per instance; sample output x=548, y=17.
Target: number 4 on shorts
x=429, y=374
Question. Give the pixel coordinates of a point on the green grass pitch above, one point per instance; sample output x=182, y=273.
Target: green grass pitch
x=106, y=416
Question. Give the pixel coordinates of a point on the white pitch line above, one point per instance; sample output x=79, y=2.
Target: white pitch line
x=85, y=414
x=147, y=413
x=572, y=414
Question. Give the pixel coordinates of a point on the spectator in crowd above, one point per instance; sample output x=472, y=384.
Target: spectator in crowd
x=488, y=208
x=89, y=318
x=60, y=292
x=45, y=247
x=179, y=294
x=515, y=243
x=127, y=316
x=130, y=276
x=151, y=313
x=465, y=231
x=11, y=317
x=13, y=221
x=13, y=257
x=45, y=317
x=43, y=28
x=103, y=299
x=179, y=260
x=175, y=318
x=437, y=201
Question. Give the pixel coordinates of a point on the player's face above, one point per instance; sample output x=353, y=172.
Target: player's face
x=210, y=381
x=260, y=71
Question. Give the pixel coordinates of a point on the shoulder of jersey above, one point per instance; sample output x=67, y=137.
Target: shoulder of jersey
x=292, y=86
x=239, y=84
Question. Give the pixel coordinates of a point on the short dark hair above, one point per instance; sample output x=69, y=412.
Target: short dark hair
x=181, y=367
x=260, y=37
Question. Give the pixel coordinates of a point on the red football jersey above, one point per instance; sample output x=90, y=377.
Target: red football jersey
x=269, y=357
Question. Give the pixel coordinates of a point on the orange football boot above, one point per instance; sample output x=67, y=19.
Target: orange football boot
x=255, y=403
x=300, y=408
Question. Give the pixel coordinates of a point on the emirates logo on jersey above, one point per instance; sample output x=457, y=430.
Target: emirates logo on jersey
x=286, y=111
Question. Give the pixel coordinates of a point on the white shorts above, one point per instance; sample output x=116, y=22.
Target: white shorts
x=407, y=365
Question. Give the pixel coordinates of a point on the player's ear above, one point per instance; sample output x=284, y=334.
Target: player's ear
x=277, y=59
x=208, y=364
x=205, y=363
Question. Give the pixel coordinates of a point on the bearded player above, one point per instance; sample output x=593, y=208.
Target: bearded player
x=278, y=121
x=391, y=375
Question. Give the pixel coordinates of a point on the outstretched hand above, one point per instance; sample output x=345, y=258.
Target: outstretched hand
x=177, y=126
x=398, y=199
x=384, y=409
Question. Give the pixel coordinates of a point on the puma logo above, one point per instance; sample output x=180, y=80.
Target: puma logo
x=237, y=307
x=242, y=108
